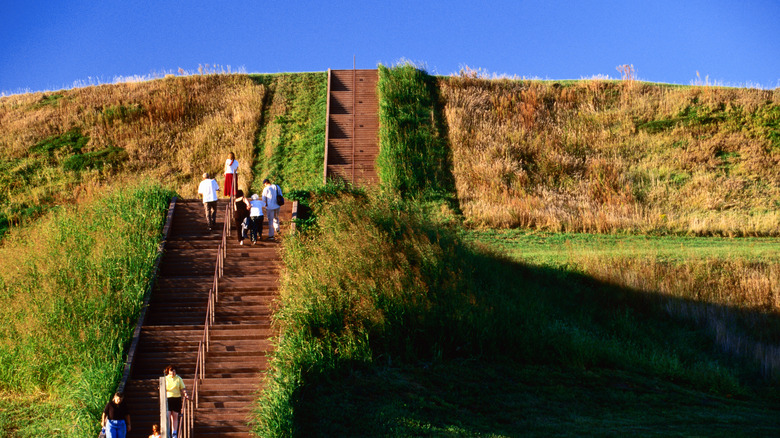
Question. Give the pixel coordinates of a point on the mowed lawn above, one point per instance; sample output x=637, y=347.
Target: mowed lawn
x=481, y=398
x=543, y=248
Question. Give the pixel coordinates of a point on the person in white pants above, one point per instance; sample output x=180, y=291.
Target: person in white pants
x=270, y=192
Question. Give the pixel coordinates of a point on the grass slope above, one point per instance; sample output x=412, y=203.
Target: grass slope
x=413, y=157
x=55, y=148
x=478, y=398
x=392, y=326
x=605, y=156
x=290, y=146
x=71, y=288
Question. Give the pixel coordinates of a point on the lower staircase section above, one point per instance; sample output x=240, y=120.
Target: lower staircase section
x=239, y=336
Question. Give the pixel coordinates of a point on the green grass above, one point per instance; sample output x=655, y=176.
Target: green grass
x=290, y=145
x=71, y=288
x=392, y=325
x=478, y=398
x=545, y=248
x=414, y=158
x=31, y=415
x=30, y=184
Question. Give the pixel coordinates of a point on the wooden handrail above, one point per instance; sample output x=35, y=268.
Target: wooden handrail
x=327, y=129
x=354, y=112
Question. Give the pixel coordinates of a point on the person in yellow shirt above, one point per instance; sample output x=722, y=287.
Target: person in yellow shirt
x=174, y=389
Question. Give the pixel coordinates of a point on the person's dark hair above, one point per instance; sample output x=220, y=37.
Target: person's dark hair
x=232, y=156
x=239, y=193
x=266, y=181
x=169, y=368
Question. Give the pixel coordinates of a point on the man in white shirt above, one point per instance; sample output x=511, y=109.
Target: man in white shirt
x=270, y=191
x=208, y=189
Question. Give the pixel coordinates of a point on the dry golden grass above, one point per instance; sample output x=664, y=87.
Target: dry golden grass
x=601, y=156
x=172, y=129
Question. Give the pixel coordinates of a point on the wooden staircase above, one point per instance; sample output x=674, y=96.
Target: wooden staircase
x=240, y=334
x=352, y=130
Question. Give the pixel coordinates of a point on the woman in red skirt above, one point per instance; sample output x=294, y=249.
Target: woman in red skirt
x=231, y=174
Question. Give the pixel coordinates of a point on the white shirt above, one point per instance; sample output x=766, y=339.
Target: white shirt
x=231, y=168
x=256, y=207
x=208, y=188
x=269, y=196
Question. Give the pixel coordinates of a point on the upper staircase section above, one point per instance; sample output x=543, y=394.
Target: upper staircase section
x=352, y=130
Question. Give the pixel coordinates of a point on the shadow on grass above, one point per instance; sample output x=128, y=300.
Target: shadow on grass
x=537, y=351
x=508, y=399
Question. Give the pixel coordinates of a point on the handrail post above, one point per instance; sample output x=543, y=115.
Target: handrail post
x=354, y=119
x=190, y=418
x=163, y=408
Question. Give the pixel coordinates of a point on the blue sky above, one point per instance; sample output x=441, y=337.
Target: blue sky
x=50, y=44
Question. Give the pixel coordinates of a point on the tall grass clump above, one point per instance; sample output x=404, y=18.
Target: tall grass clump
x=56, y=147
x=290, y=145
x=413, y=155
x=71, y=289
x=605, y=156
x=380, y=283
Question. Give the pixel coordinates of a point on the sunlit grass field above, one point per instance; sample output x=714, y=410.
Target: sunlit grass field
x=547, y=248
